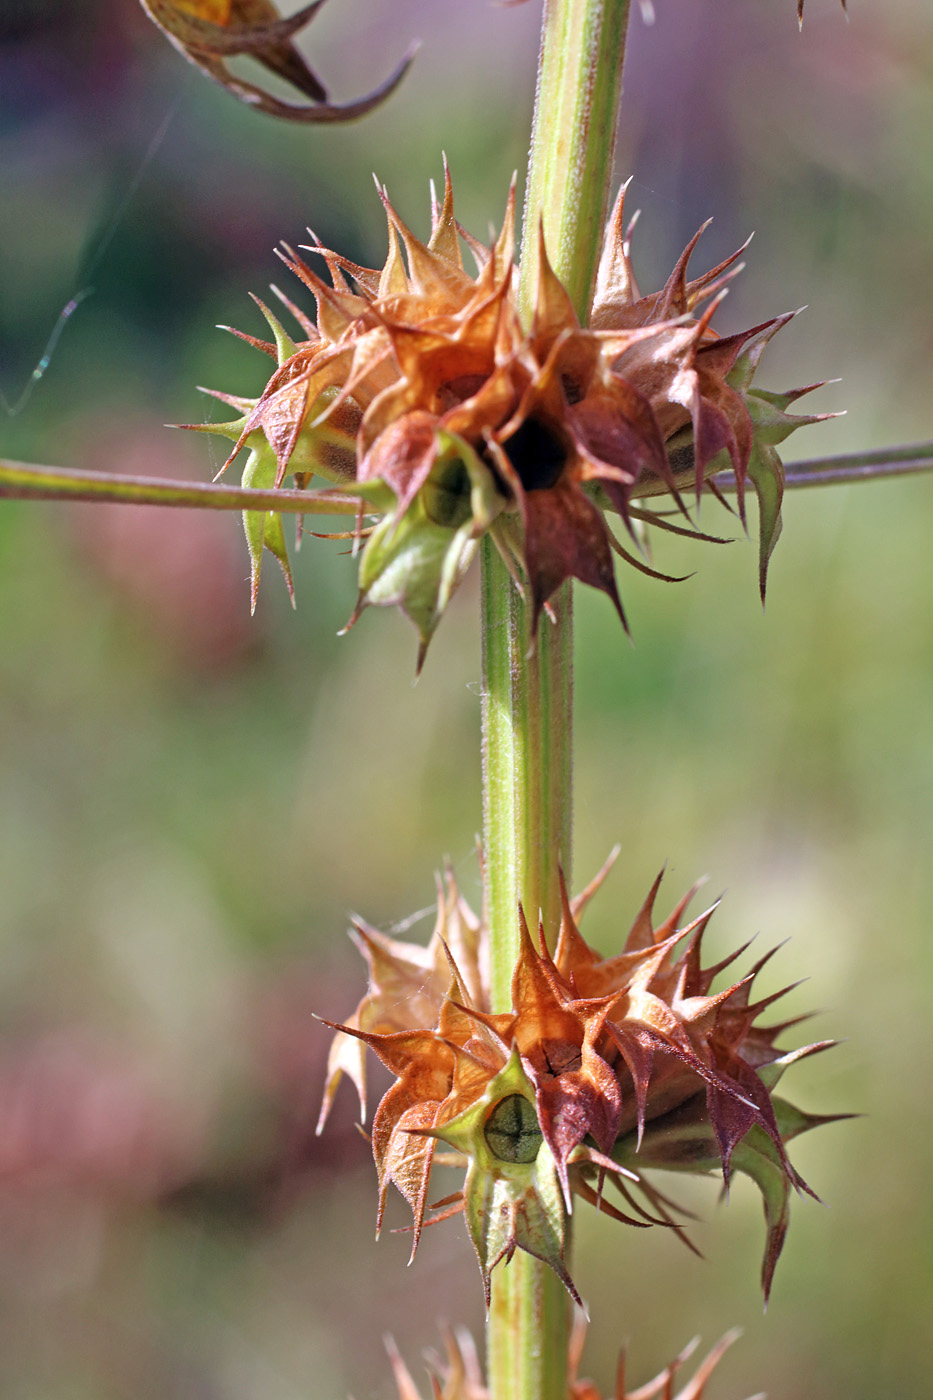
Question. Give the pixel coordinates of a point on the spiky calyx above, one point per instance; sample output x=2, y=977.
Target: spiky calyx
x=457, y=1376
x=454, y=419
x=604, y=1067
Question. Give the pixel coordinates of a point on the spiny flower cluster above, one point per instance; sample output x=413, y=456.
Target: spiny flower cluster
x=421, y=389
x=458, y=1375
x=604, y=1067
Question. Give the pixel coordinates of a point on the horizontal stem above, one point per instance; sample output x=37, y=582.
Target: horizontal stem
x=861, y=466
x=877, y=465
x=24, y=481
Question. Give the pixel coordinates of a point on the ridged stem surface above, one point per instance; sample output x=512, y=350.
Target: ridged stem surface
x=527, y=691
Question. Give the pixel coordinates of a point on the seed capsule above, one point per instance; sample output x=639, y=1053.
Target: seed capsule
x=512, y=1133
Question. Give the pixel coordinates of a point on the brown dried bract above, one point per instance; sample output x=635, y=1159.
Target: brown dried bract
x=209, y=32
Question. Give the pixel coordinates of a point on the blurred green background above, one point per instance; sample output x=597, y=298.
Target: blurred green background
x=191, y=802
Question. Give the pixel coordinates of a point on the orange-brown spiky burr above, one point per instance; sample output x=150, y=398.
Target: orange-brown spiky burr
x=604, y=1067
x=421, y=388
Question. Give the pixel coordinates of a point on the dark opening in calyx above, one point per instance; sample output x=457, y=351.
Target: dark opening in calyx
x=537, y=453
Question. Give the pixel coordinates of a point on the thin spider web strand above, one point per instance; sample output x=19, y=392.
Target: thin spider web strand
x=14, y=407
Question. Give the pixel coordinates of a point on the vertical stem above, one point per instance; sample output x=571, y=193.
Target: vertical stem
x=527, y=714
x=573, y=139
x=527, y=764
x=527, y=704
x=527, y=757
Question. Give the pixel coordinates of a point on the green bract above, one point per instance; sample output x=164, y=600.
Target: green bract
x=512, y=1203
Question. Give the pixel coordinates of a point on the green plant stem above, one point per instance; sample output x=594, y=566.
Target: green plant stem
x=25, y=481
x=527, y=755
x=527, y=692
x=527, y=762
x=877, y=465
x=880, y=464
x=573, y=140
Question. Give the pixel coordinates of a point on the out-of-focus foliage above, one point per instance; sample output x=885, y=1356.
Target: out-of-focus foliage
x=190, y=804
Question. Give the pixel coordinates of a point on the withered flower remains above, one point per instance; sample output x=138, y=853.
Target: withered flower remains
x=604, y=1068
x=421, y=388
x=210, y=32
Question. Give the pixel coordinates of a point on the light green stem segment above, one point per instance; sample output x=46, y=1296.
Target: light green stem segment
x=528, y=1332
x=25, y=481
x=527, y=716
x=527, y=694
x=527, y=761
x=573, y=139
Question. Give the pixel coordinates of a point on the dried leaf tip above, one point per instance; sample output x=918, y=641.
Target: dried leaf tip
x=800, y=5
x=209, y=32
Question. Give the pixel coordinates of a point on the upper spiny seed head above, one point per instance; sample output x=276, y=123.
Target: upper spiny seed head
x=604, y=1068
x=421, y=389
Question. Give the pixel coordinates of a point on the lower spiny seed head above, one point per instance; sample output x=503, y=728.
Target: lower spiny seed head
x=605, y=1068
x=457, y=1376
